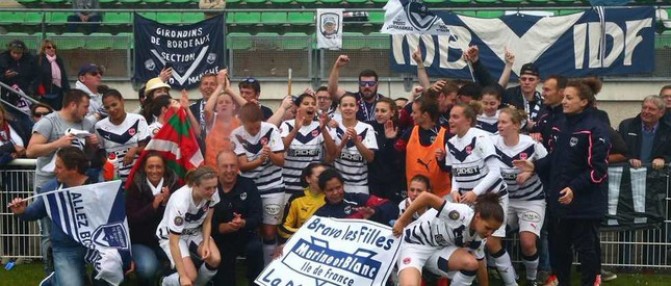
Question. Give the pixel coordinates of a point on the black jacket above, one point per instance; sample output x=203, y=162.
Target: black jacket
x=548, y=117
x=243, y=199
x=630, y=130
x=143, y=219
x=44, y=76
x=25, y=67
x=386, y=172
x=578, y=161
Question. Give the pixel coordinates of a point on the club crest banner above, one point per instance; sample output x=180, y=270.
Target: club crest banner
x=328, y=251
x=329, y=28
x=192, y=50
x=599, y=41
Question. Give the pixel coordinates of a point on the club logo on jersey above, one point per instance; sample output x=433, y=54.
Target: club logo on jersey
x=347, y=210
x=315, y=133
x=523, y=156
x=359, y=138
x=131, y=131
x=243, y=196
x=155, y=131
x=264, y=141
x=179, y=221
x=440, y=239
x=469, y=150
x=454, y=215
x=573, y=141
x=407, y=260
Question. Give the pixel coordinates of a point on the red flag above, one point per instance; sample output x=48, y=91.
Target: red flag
x=176, y=141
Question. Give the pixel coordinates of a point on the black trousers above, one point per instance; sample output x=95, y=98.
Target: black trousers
x=249, y=246
x=581, y=235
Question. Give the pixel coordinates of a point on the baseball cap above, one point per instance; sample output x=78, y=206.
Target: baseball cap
x=530, y=69
x=89, y=68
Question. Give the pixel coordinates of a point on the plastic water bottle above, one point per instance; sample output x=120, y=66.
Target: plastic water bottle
x=111, y=168
x=9, y=265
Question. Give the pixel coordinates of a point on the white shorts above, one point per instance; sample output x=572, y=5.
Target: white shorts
x=414, y=255
x=437, y=263
x=527, y=215
x=501, y=231
x=186, y=242
x=356, y=189
x=273, y=208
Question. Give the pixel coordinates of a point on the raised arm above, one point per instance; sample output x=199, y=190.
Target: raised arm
x=422, y=75
x=333, y=89
x=507, y=69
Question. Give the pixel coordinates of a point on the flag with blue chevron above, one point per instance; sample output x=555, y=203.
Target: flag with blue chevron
x=95, y=216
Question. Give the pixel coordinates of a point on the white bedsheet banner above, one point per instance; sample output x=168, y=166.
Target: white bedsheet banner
x=326, y=251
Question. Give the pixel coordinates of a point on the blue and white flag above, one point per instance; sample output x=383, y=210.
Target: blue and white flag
x=599, y=41
x=327, y=251
x=411, y=17
x=95, y=216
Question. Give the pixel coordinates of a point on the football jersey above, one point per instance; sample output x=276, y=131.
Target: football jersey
x=118, y=139
x=445, y=227
x=526, y=149
x=350, y=163
x=154, y=127
x=468, y=156
x=303, y=150
x=182, y=216
x=489, y=123
x=268, y=176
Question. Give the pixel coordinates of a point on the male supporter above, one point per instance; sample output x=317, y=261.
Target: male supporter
x=83, y=15
x=250, y=91
x=424, y=146
x=367, y=94
x=340, y=204
x=88, y=81
x=665, y=93
x=647, y=136
x=552, y=111
x=236, y=220
x=68, y=255
x=523, y=96
x=445, y=93
x=208, y=83
x=49, y=135
x=325, y=102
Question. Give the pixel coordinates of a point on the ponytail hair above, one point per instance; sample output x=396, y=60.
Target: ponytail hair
x=517, y=116
x=196, y=176
x=471, y=110
x=587, y=89
x=488, y=207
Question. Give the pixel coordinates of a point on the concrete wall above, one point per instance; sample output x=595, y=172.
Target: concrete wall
x=621, y=99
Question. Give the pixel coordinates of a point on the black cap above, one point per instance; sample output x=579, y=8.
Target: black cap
x=530, y=69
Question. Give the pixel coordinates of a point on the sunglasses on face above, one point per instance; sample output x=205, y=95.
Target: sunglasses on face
x=367, y=83
x=49, y=48
x=95, y=74
x=249, y=80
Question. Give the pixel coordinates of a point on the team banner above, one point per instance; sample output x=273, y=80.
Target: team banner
x=191, y=50
x=636, y=197
x=95, y=216
x=328, y=251
x=599, y=41
x=329, y=29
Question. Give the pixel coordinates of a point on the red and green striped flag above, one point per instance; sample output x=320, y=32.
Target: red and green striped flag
x=176, y=141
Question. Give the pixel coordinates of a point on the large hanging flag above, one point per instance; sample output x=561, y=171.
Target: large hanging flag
x=411, y=17
x=329, y=28
x=177, y=143
x=95, y=216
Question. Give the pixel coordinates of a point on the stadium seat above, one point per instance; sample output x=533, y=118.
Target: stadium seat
x=376, y=17
x=190, y=18
x=57, y=17
x=539, y=2
x=274, y=18
x=353, y=41
x=239, y=41
x=69, y=41
x=485, y=2
x=310, y=2
x=100, y=41
x=247, y=18
x=357, y=2
x=455, y=2
x=124, y=41
x=301, y=18
x=490, y=14
x=295, y=41
x=107, y=2
x=116, y=18
x=33, y=18
x=32, y=41
x=154, y=2
x=28, y=3
x=512, y=2
x=377, y=40
x=132, y=2
x=12, y=17
x=565, y=2
x=567, y=11
x=178, y=2
x=281, y=2
x=380, y=2
x=255, y=2
x=469, y=13
x=331, y=1
x=148, y=15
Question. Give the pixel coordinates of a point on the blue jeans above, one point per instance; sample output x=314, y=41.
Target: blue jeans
x=69, y=266
x=147, y=262
x=45, y=242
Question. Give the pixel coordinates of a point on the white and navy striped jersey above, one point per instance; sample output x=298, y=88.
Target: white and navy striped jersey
x=489, y=123
x=303, y=150
x=118, y=139
x=154, y=128
x=350, y=163
x=182, y=216
x=446, y=227
x=474, y=163
x=268, y=177
x=526, y=149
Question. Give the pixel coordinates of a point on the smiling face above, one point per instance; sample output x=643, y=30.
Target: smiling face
x=348, y=107
x=651, y=113
x=227, y=163
x=490, y=104
x=308, y=107
x=552, y=94
x=458, y=121
x=572, y=103
x=367, y=87
x=114, y=107
x=207, y=86
x=383, y=112
x=154, y=168
x=324, y=100
x=334, y=191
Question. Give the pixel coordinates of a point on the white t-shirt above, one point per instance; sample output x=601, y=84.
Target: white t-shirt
x=118, y=139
